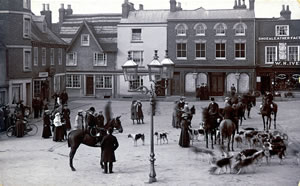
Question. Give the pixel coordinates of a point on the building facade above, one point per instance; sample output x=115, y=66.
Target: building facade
x=278, y=53
x=140, y=32
x=91, y=56
x=31, y=52
x=212, y=47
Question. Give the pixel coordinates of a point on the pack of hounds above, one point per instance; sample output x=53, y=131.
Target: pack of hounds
x=259, y=145
x=161, y=137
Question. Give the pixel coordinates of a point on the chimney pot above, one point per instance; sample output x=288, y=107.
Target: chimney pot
x=62, y=5
x=287, y=7
x=283, y=8
x=126, y=1
x=69, y=6
x=141, y=7
x=43, y=6
x=179, y=4
x=48, y=7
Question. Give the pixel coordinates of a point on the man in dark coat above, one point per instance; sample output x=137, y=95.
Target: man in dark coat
x=55, y=97
x=100, y=120
x=109, y=144
x=35, y=106
x=64, y=97
x=46, y=126
x=233, y=90
x=66, y=117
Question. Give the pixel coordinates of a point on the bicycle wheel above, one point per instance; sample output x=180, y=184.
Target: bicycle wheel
x=10, y=131
x=31, y=129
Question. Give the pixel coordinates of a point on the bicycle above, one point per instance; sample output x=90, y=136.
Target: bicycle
x=30, y=129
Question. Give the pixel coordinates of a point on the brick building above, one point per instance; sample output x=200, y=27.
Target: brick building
x=215, y=47
x=278, y=53
x=34, y=54
x=91, y=56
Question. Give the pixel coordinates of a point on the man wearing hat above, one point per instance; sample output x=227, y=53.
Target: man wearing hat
x=100, y=120
x=213, y=108
x=79, y=121
x=46, y=126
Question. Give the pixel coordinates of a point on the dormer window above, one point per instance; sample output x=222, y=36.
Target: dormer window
x=200, y=29
x=282, y=30
x=85, y=40
x=26, y=4
x=181, y=29
x=240, y=29
x=220, y=29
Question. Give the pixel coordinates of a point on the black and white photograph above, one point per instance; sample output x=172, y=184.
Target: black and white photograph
x=149, y=92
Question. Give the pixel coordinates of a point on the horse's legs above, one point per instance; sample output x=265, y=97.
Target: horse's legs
x=270, y=121
x=275, y=113
x=72, y=154
x=206, y=136
x=264, y=122
x=133, y=121
x=101, y=162
x=212, y=140
x=228, y=143
x=232, y=141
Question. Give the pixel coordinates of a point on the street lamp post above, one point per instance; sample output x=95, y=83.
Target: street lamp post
x=156, y=70
x=237, y=77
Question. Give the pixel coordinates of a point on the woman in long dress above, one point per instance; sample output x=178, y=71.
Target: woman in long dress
x=46, y=126
x=184, y=140
x=58, y=129
x=20, y=126
x=133, y=111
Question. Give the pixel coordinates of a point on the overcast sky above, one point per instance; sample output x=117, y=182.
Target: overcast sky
x=263, y=8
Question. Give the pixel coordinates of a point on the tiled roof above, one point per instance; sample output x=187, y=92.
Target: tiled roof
x=45, y=37
x=202, y=13
x=147, y=16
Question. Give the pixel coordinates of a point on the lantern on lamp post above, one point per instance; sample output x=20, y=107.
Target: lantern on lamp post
x=156, y=71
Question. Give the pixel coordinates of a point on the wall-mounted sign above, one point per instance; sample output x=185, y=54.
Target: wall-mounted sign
x=296, y=76
x=281, y=76
x=43, y=74
x=278, y=38
x=258, y=80
x=282, y=51
x=287, y=63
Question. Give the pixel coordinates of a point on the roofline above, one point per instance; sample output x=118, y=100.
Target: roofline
x=173, y=20
x=92, y=15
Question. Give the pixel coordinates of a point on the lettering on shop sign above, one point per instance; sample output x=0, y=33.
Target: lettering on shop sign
x=281, y=76
x=287, y=63
x=278, y=38
x=296, y=76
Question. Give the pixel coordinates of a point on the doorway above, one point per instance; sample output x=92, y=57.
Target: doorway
x=217, y=84
x=89, y=85
x=175, y=84
x=265, y=84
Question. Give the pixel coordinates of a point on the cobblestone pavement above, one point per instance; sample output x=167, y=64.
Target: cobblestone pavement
x=32, y=160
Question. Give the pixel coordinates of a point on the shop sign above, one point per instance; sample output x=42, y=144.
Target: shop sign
x=258, y=79
x=281, y=76
x=287, y=63
x=278, y=38
x=43, y=74
x=296, y=76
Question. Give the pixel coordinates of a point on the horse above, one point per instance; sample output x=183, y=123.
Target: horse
x=227, y=130
x=250, y=101
x=268, y=108
x=76, y=137
x=210, y=126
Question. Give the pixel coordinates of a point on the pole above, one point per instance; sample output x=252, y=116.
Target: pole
x=152, y=175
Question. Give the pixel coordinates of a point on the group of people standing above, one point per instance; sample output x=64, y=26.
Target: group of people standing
x=202, y=92
x=137, y=111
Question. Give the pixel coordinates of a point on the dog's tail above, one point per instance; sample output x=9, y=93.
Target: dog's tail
x=212, y=169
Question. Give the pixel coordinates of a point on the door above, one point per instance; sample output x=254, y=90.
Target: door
x=159, y=88
x=89, y=85
x=217, y=84
x=175, y=84
x=265, y=84
x=28, y=94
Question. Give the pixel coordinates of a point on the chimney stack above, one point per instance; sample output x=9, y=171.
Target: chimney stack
x=141, y=7
x=62, y=13
x=251, y=4
x=243, y=6
x=285, y=14
x=178, y=6
x=48, y=15
x=235, y=4
x=69, y=11
x=173, y=5
x=126, y=8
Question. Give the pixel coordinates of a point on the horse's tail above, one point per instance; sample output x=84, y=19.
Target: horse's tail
x=69, y=145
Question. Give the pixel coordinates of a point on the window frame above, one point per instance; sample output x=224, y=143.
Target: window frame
x=133, y=85
x=240, y=51
x=102, y=78
x=59, y=55
x=27, y=4
x=52, y=56
x=27, y=67
x=238, y=26
x=220, y=25
x=35, y=56
x=277, y=30
x=26, y=23
x=298, y=52
x=44, y=57
x=96, y=59
x=200, y=25
x=140, y=59
x=200, y=58
x=83, y=42
x=266, y=54
x=72, y=82
x=183, y=33
x=135, y=36
x=220, y=58
x=74, y=61
x=182, y=51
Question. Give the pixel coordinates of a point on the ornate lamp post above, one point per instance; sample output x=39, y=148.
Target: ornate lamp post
x=156, y=71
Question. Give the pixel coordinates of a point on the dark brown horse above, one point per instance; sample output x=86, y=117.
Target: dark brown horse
x=77, y=137
x=210, y=126
x=227, y=130
x=268, y=108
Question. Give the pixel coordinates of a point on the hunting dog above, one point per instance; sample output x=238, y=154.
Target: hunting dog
x=136, y=137
x=224, y=162
x=248, y=162
x=161, y=136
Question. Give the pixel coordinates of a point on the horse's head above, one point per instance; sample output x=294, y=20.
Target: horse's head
x=116, y=124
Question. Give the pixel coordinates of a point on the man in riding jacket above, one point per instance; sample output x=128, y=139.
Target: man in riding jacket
x=213, y=107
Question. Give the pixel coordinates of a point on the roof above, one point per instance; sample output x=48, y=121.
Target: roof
x=102, y=26
x=147, y=16
x=202, y=13
x=45, y=37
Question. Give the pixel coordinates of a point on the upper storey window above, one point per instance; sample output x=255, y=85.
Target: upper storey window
x=27, y=4
x=181, y=29
x=200, y=29
x=26, y=26
x=220, y=29
x=240, y=29
x=85, y=40
x=282, y=30
x=136, y=34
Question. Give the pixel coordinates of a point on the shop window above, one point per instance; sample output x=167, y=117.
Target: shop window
x=37, y=87
x=16, y=93
x=293, y=53
x=103, y=81
x=133, y=85
x=73, y=81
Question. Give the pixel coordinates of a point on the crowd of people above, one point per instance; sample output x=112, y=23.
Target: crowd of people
x=137, y=111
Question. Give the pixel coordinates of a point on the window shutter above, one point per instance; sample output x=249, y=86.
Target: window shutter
x=67, y=59
x=95, y=59
x=75, y=58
